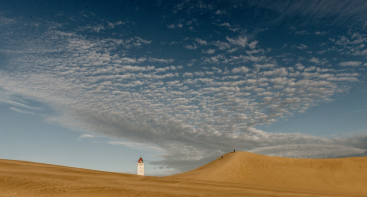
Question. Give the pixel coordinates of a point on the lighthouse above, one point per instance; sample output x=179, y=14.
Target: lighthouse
x=140, y=167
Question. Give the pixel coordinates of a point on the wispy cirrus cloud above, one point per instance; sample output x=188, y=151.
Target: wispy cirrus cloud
x=316, y=11
x=18, y=104
x=21, y=110
x=87, y=136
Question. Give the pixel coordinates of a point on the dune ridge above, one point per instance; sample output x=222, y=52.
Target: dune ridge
x=237, y=174
x=340, y=175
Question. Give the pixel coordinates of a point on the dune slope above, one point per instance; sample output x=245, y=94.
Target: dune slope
x=342, y=175
x=238, y=174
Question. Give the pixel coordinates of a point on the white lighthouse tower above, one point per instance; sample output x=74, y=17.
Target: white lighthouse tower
x=140, y=167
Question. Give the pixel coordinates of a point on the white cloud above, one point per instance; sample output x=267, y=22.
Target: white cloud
x=318, y=61
x=242, y=69
x=188, y=75
x=321, y=33
x=18, y=104
x=221, y=45
x=350, y=63
x=191, y=47
x=309, y=150
x=264, y=66
x=232, y=50
x=113, y=25
x=7, y=21
x=353, y=44
x=302, y=47
x=277, y=72
x=138, y=146
x=95, y=28
x=199, y=73
x=241, y=41
x=299, y=66
x=103, y=86
x=172, y=26
x=253, y=44
x=219, y=12
x=87, y=136
x=21, y=110
x=209, y=51
x=342, y=79
x=161, y=60
x=143, y=41
x=225, y=25
x=235, y=29
x=200, y=41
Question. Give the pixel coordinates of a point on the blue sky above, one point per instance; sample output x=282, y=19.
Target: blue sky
x=96, y=84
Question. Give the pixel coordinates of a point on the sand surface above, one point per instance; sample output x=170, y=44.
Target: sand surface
x=237, y=174
x=342, y=175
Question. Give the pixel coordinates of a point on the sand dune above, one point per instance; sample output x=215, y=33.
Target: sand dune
x=342, y=175
x=237, y=174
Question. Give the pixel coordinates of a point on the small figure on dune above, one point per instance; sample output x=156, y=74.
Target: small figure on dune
x=222, y=157
x=234, y=150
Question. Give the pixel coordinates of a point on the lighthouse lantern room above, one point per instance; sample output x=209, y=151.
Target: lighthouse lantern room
x=140, y=167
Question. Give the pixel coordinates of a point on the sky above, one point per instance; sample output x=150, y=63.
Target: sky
x=97, y=84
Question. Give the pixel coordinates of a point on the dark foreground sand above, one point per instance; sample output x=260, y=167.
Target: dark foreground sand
x=237, y=174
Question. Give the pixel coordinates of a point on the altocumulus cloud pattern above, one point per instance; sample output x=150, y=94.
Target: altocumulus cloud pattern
x=194, y=95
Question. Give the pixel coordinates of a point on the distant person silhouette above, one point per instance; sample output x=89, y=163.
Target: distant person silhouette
x=234, y=150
